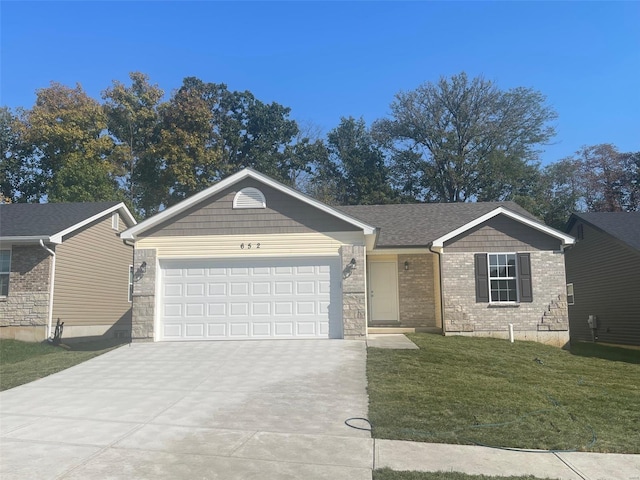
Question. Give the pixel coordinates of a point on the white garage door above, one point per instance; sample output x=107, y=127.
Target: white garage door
x=250, y=298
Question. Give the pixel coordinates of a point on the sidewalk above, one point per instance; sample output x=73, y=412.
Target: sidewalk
x=433, y=457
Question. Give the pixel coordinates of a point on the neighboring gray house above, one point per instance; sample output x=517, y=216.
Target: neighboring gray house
x=603, y=277
x=252, y=258
x=64, y=261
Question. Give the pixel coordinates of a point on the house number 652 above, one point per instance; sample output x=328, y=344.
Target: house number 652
x=249, y=246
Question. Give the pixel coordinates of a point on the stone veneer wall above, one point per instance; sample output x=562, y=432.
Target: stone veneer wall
x=416, y=291
x=144, y=300
x=354, y=315
x=27, y=304
x=545, y=319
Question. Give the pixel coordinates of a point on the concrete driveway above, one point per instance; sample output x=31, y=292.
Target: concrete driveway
x=228, y=410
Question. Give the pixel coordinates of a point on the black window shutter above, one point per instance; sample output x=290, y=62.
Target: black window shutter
x=524, y=277
x=482, y=277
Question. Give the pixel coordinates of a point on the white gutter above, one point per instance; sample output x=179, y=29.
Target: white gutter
x=51, y=285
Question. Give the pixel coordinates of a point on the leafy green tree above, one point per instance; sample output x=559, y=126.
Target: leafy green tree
x=555, y=192
x=447, y=139
x=209, y=132
x=356, y=167
x=192, y=158
x=605, y=177
x=16, y=178
x=133, y=121
x=69, y=150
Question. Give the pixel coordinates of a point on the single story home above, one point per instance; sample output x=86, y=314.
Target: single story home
x=66, y=262
x=603, y=277
x=251, y=258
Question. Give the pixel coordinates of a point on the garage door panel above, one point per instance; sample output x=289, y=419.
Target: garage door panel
x=261, y=288
x=241, y=289
x=283, y=288
x=194, y=330
x=305, y=288
x=261, y=329
x=173, y=310
x=195, y=272
x=283, y=308
x=217, y=289
x=305, y=308
x=239, y=330
x=283, y=329
x=172, y=331
x=173, y=290
x=261, y=308
x=217, y=330
x=238, y=309
x=306, y=328
x=194, y=310
x=257, y=298
x=217, y=310
x=194, y=290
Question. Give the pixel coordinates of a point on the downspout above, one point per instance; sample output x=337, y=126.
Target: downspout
x=51, y=287
x=439, y=253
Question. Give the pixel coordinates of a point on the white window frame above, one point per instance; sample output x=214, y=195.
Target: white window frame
x=7, y=273
x=514, y=278
x=115, y=221
x=571, y=295
x=130, y=289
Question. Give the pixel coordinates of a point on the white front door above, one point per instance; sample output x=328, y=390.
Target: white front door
x=383, y=291
x=250, y=298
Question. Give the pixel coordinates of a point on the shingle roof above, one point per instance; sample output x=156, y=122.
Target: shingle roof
x=418, y=225
x=625, y=226
x=45, y=219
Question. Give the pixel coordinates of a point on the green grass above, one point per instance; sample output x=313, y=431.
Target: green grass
x=24, y=362
x=387, y=474
x=490, y=392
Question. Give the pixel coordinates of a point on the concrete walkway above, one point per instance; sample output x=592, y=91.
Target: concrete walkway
x=235, y=410
x=394, y=341
x=433, y=457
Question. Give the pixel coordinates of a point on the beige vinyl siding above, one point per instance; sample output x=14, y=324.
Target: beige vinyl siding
x=216, y=216
x=273, y=245
x=606, y=282
x=502, y=234
x=92, y=275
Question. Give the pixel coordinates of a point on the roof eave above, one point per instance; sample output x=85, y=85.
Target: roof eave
x=30, y=239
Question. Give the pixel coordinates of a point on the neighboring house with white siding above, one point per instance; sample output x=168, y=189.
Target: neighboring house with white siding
x=251, y=258
x=603, y=277
x=65, y=261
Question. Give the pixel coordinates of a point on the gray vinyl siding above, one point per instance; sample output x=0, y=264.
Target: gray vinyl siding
x=502, y=234
x=92, y=277
x=216, y=216
x=606, y=282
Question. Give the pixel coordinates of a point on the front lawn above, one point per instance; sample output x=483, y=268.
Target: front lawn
x=490, y=392
x=24, y=362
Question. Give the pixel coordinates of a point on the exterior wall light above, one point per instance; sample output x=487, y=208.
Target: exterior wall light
x=406, y=265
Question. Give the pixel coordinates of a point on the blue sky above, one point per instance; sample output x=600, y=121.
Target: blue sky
x=325, y=60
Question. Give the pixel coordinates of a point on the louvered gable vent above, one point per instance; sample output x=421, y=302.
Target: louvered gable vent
x=249, y=198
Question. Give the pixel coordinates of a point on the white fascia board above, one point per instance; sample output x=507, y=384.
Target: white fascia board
x=29, y=239
x=57, y=237
x=131, y=233
x=564, y=238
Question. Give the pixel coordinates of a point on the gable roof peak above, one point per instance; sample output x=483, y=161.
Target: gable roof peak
x=247, y=172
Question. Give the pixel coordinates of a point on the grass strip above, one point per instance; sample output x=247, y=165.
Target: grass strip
x=490, y=392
